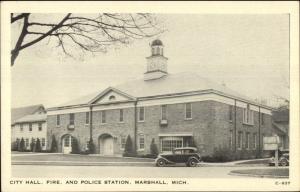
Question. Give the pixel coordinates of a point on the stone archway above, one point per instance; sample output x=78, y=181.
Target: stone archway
x=106, y=144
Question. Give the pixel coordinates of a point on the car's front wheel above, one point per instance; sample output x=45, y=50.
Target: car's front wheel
x=284, y=162
x=192, y=163
x=160, y=162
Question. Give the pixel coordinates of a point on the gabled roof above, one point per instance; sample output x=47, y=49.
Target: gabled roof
x=32, y=118
x=108, y=90
x=17, y=113
x=166, y=85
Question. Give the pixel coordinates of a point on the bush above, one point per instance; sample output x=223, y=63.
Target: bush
x=91, y=147
x=32, y=145
x=53, y=147
x=15, y=145
x=38, y=147
x=21, y=147
x=75, y=147
x=129, y=151
x=153, y=149
x=221, y=154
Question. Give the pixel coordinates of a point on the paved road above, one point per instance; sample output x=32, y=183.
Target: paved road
x=42, y=171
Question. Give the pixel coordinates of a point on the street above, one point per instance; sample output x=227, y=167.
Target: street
x=41, y=171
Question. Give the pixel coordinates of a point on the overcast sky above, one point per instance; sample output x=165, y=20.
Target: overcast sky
x=249, y=53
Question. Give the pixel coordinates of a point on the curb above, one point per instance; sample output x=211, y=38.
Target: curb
x=260, y=176
x=230, y=165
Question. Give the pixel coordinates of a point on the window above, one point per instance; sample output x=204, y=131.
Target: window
x=123, y=142
x=230, y=112
x=43, y=142
x=57, y=120
x=240, y=140
x=231, y=139
x=247, y=140
x=141, y=114
x=248, y=115
x=21, y=127
x=121, y=115
x=72, y=118
x=112, y=98
x=40, y=126
x=87, y=118
x=188, y=111
x=26, y=142
x=169, y=143
x=30, y=126
x=141, y=142
x=254, y=140
x=103, y=117
x=262, y=119
x=164, y=112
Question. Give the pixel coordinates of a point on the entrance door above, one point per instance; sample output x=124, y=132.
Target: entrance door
x=108, y=146
x=67, y=144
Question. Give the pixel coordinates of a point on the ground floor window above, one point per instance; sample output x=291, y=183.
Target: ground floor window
x=43, y=142
x=169, y=143
x=26, y=142
x=254, y=140
x=123, y=142
x=141, y=142
x=240, y=140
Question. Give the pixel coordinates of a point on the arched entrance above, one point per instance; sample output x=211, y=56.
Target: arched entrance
x=106, y=144
x=67, y=144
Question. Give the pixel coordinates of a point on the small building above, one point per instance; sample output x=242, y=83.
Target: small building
x=280, y=123
x=29, y=123
x=173, y=110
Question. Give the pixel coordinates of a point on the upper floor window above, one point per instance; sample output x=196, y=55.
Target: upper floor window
x=87, y=118
x=164, y=112
x=230, y=117
x=72, y=118
x=30, y=127
x=248, y=115
x=141, y=114
x=230, y=139
x=121, y=115
x=112, y=98
x=188, y=111
x=40, y=126
x=21, y=127
x=57, y=120
x=103, y=116
x=262, y=118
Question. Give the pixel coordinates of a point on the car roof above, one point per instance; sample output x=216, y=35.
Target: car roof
x=183, y=148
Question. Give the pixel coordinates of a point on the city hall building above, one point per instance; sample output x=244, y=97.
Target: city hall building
x=175, y=110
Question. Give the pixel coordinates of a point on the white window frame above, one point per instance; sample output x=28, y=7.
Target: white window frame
x=125, y=138
x=231, y=139
x=101, y=115
x=73, y=122
x=139, y=114
x=247, y=140
x=248, y=116
x=40, y=126
x=27, y=142
x=30, y=127
x=21, y=127
x=254, y=141
x=230, y=115
x=185, y=113
x=161, y=112
x=139, y=142
x=43, y=139
x=172, y=139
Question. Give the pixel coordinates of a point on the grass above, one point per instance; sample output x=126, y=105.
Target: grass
x=66, y=157
x=264, y=172
x=250, y=162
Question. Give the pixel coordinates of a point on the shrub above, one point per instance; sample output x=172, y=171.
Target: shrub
x=22, y=145
x=91, y=146
x=75, y=147
x=38, y=147
x=53, y=147
x=221, y=154
x=32, y=145
x=129, y=151
x=153, y=149
x=15, y=145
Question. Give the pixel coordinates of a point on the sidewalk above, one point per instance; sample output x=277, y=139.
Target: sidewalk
x=239, y=163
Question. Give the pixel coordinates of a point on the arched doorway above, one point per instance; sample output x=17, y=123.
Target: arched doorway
x=106, y=144
x=67, y=144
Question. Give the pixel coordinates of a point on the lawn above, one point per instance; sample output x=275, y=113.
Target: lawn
x=258, y=161
x=264, y=172
x=66, y=157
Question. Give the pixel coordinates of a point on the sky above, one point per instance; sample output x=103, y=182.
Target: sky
x=248, y=53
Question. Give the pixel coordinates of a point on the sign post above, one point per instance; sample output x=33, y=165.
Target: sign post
x=272, y=143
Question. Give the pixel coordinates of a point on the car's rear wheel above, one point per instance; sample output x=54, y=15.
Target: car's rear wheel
x=192, y=163
x=161, y=162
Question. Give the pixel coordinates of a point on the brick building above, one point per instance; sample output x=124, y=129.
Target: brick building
x=173, y=109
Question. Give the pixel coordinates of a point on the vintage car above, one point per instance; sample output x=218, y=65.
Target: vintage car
x=283, y=160
x=187, y=155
